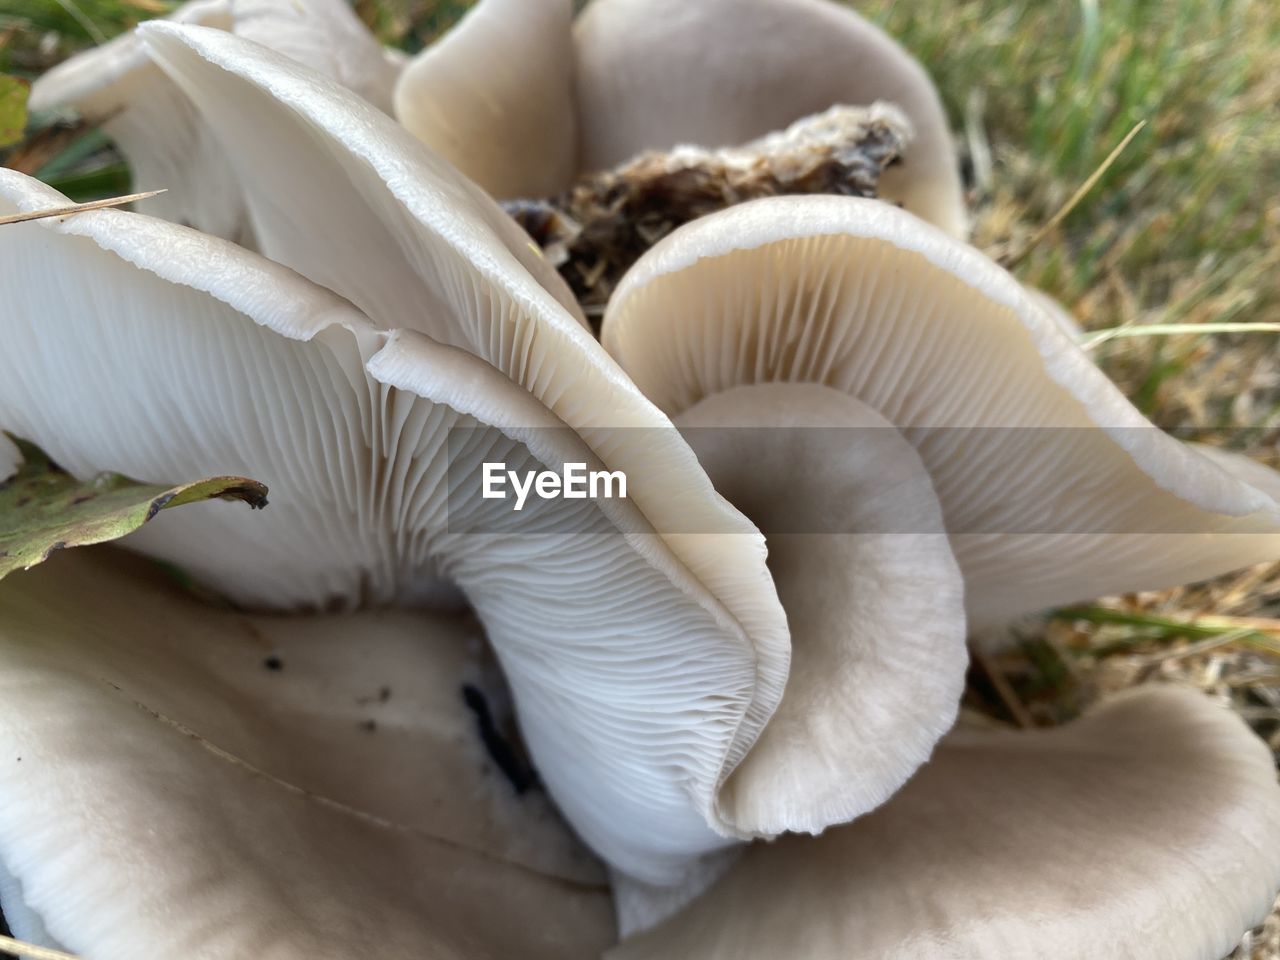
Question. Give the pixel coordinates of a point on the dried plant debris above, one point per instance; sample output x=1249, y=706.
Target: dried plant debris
x=1221, y=637
x=599, y=227
x=43, y=510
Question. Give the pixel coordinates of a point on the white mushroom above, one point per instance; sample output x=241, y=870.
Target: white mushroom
x=522, y=99
x=494, y=97
x=451, y=264
x=499, y=93
x=1052, y=486
x=942, y=404
x=183, y=781
x=655, y=73
x=155, y=126
x=639, y=685
x=1147, y=829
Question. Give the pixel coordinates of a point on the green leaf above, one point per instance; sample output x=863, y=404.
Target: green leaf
x=43, y=510
x=13, y=109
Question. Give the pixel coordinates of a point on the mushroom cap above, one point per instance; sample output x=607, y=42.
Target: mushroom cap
x=167, y=794
x=652, y=74
x=494, y=97
x=162, y=136
x=154, y=125
x=1148, y=829
x=1067, y=320
x=142, y=347
x=325, y=36
x=440, y=256
x=1053, y=486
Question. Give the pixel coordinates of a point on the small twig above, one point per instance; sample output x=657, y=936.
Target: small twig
x=1065, y=210
x=43, y=145
x=77, y=208
x=1005, y=691
x=21, y=949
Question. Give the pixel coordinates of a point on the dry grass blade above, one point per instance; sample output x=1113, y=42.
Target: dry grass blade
x=1203, y=646
x=77, y=208
x=1097, y=337
x=85, y=21
x=20, y=949
x=1004, y=690
x=1258, y=633
x=1076, y=197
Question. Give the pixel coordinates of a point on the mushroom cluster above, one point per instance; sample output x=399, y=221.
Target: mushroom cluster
x=713, y=719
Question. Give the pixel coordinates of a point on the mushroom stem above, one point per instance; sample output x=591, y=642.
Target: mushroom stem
x=871, y=590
